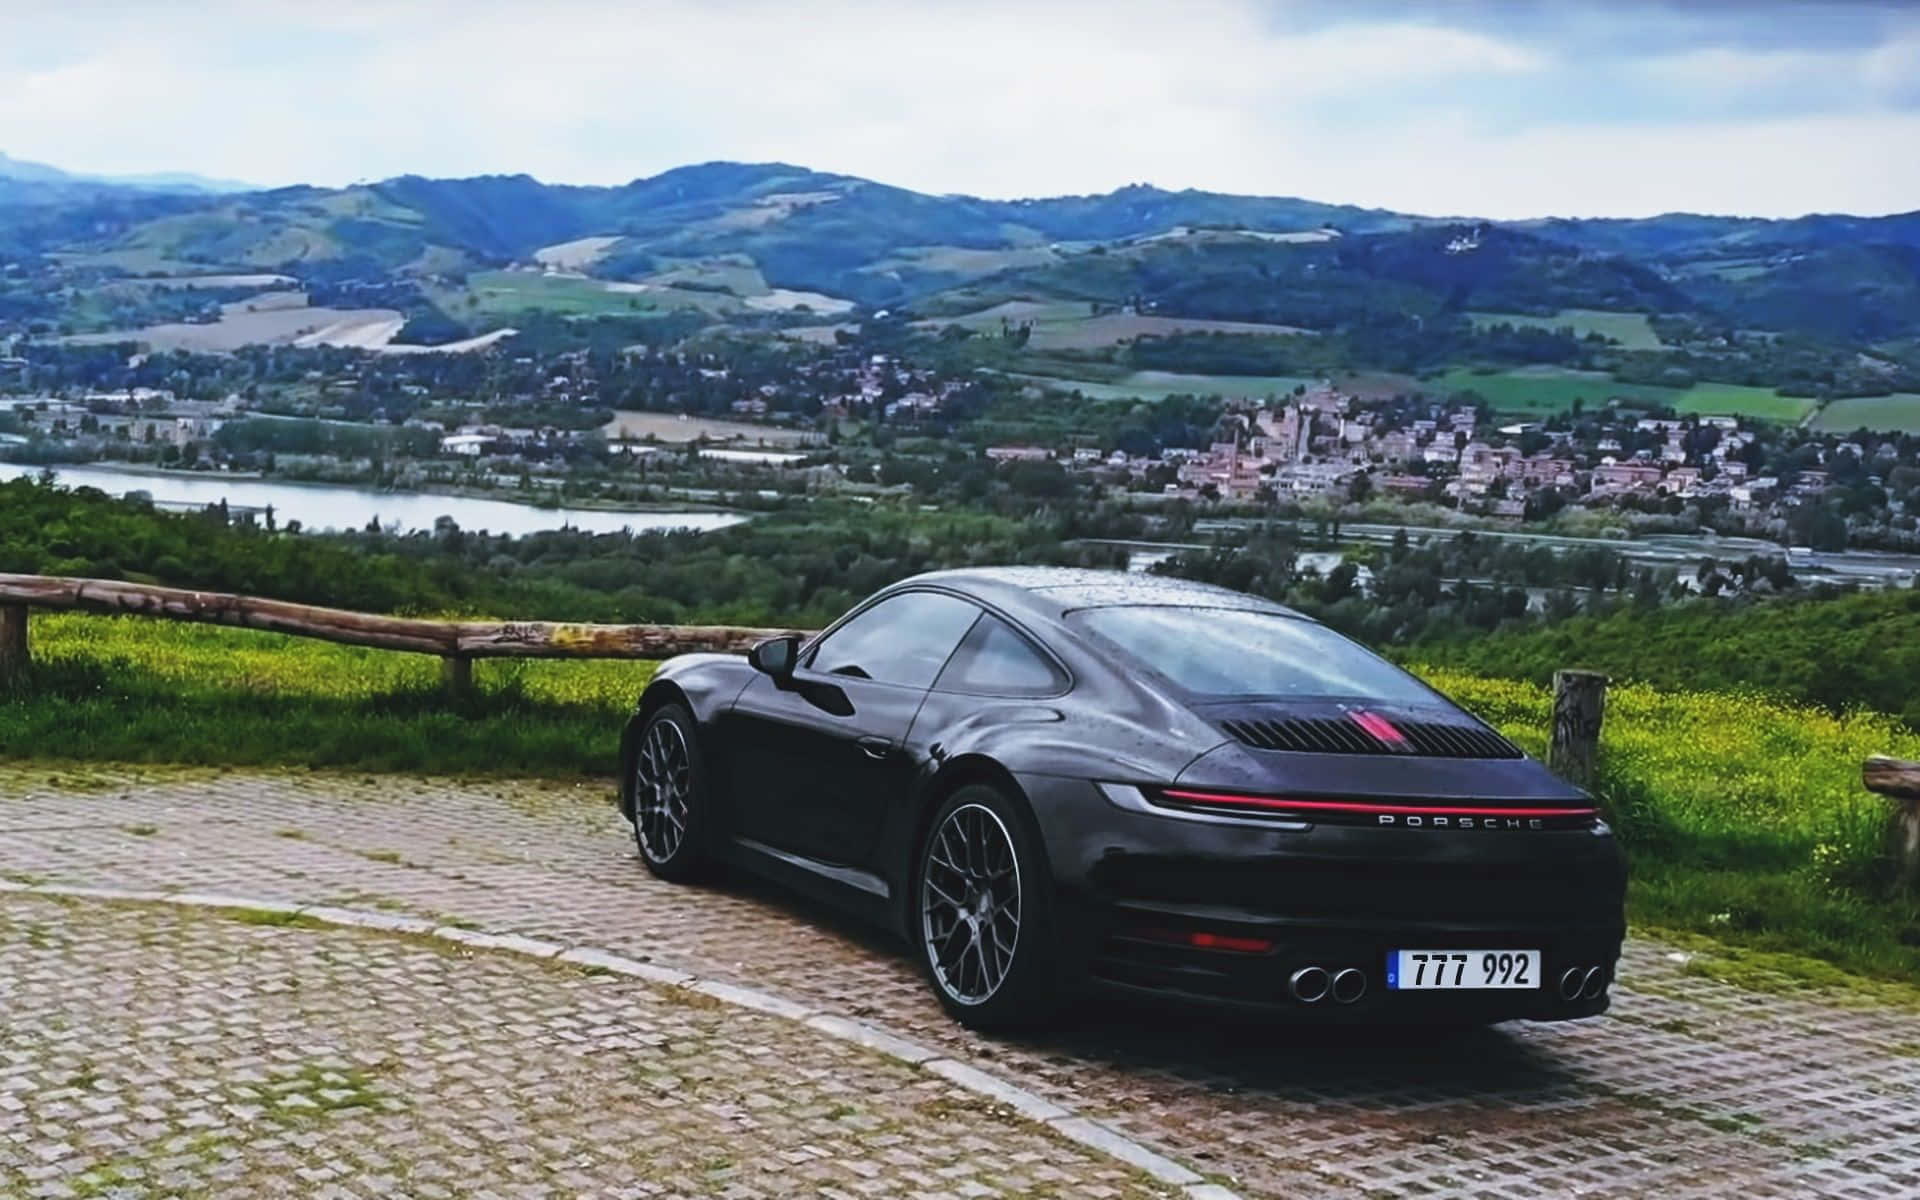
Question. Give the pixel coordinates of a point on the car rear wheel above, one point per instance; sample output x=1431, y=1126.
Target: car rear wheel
x=670, y=796
x=984, y=916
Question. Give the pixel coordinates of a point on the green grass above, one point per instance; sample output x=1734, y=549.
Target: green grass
x=130, y=690
x=1736, y=400
x=1898, y=413
x=1544, y=391
x=1744, y=817
x=503, y=293
x=1629, y=329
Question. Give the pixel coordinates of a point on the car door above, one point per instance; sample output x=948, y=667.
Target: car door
x=819, y=757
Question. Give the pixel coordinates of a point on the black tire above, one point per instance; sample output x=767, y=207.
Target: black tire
x=977, y=840
x=670, y=797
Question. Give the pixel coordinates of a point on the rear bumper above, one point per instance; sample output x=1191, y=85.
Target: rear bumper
x=1134, y=887
x=1131, y=947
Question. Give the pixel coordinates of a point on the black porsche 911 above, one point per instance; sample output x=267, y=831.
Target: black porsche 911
x=1048, y=779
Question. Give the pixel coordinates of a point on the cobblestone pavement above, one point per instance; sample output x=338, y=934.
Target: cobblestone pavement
x=1689, y=1088
x=155, y=1051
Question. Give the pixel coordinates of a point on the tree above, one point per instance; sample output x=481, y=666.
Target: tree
x=1340, y=582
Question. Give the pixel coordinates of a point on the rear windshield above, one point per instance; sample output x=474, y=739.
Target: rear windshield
x=1228, y=652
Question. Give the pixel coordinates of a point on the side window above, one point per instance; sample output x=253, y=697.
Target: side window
x=996, y=661
x=903, y=639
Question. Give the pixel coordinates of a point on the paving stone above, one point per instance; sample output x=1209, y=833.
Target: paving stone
x=396, y=1066
x=1690, y=1087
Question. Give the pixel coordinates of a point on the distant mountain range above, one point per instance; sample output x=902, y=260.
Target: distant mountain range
x=164, y=181
x=1201, y=253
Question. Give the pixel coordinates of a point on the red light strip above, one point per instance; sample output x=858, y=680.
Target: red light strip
x=1279, y=804
x=1206, y=940
x=1381, y=728
x=1227, y=941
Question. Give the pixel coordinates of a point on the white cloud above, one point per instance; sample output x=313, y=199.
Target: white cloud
x=991, y=97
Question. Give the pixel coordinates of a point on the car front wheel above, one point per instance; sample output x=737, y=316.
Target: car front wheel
x=984, y=915
x=670, y=796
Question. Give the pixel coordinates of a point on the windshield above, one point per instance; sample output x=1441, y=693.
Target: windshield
x=1228, y=652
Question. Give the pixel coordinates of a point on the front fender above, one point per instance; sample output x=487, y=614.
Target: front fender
x=706, y=684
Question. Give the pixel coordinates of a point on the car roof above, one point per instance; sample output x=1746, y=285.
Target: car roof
x=1052, y=591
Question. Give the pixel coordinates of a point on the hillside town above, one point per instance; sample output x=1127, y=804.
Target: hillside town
x=1315, y=444
x=1324, y=444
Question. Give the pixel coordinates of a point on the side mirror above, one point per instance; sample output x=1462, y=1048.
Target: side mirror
x=776, y=657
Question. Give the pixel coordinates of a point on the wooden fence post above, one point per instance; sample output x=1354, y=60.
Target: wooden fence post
x=1900, y=781
x=456, y=674
x=13, y=642
x=1579, y=703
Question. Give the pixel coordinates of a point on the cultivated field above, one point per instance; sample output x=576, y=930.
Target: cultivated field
x=819, y=335
x=1631, y=330
x=672, y=427
x=575, y=255
x=1543, y=391
x=1732, y=399
x=463, y=346
x=1070, y=325
x=786, y=300
x=734, y=273
x=218, y=281
x=285, y=319
x=720, y=287
x=248, y=325
x=1158, y=385
x=1899, y=412
x=966, y=262
x=502, y=293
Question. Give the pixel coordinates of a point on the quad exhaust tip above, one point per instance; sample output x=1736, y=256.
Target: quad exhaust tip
x=1309, y=985
x=1583, y=983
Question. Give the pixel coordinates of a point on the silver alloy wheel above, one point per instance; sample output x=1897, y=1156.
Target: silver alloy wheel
x=662, y=782
x=970, y=904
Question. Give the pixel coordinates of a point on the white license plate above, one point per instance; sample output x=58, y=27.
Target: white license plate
x=1462, y=970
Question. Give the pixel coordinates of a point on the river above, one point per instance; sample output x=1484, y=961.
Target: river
x=328, y=506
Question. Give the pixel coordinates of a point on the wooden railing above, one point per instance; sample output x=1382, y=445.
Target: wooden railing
x=457, y=643
x=1899, y=781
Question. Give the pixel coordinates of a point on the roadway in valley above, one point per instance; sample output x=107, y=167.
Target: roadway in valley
x=1690, y=1087
x=1683, y=551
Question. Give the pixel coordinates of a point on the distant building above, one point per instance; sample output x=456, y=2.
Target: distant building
x=1627, y=475
x=1018, y=453
x=467, y=445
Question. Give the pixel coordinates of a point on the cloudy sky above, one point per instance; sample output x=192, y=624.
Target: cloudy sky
x=1494, y=109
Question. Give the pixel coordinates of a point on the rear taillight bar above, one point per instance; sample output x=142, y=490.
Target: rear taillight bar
x=1288, y=804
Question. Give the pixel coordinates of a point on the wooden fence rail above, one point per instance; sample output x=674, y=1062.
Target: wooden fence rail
x=457, y=642
x=1899, y=781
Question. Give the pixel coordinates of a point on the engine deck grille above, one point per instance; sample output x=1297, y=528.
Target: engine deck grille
x=1339, y=735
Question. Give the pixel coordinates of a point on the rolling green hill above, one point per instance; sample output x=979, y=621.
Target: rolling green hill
x=844, y=236
x=1836, y=299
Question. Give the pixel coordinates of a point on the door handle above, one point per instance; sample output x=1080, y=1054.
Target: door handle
x=874, y=747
